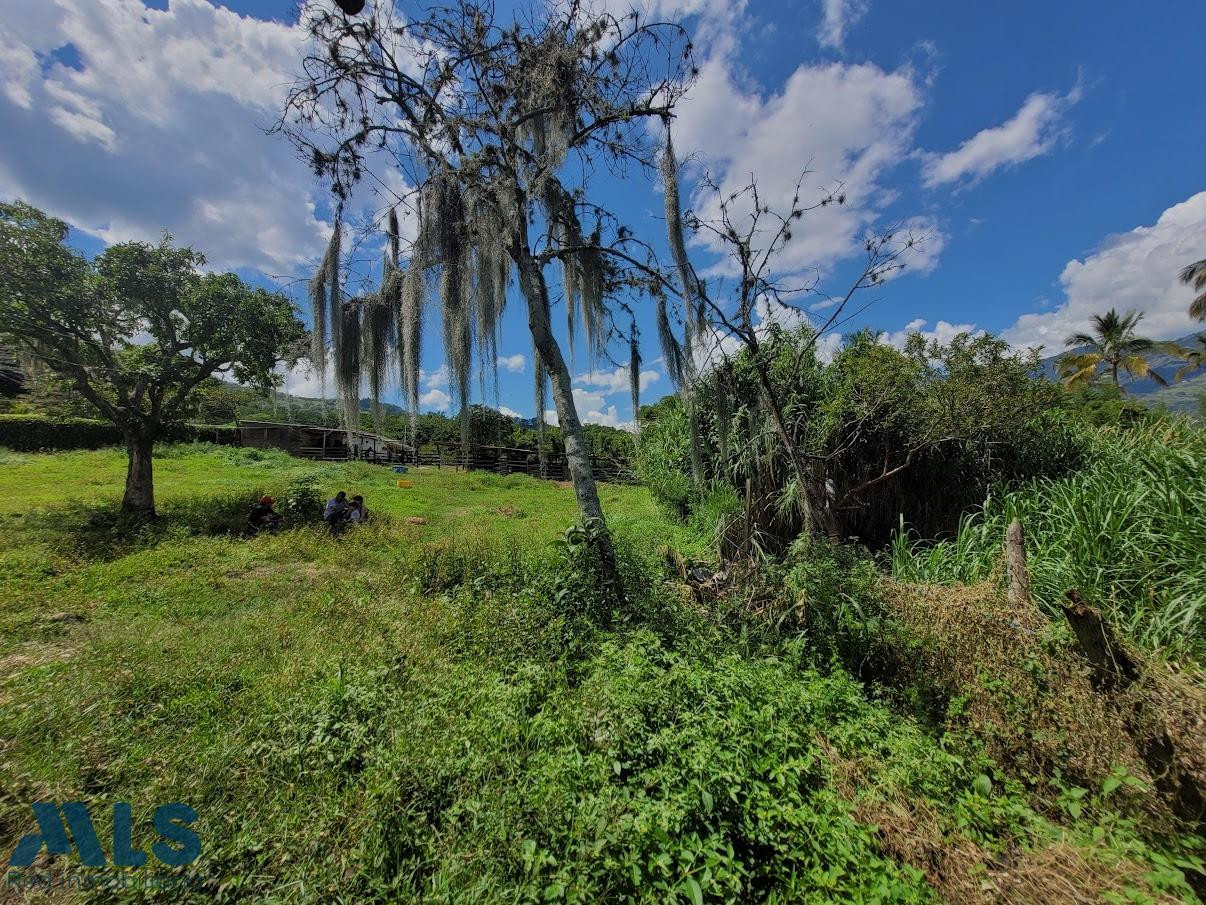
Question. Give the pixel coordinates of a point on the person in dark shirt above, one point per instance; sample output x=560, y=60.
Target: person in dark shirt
x=263, y=517
x=336, y=513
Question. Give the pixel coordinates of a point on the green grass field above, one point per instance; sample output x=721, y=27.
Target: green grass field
x=422, y=712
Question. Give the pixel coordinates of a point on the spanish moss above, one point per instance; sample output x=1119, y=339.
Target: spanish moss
x=674, y=231
x=410, y=335
x=671, y=351
x=347, y=362
x=325, y=301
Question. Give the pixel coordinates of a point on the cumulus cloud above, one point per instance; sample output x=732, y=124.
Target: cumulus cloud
x=436, y=378
x=837, y=17
x=509, y=412
x=616, y=381
x=847, y=124
x=609, y=417
x=1031, y=132
x=1134, y=270
x=943, y=331
x=437, y=399
x=513, y=363
x=159, y=127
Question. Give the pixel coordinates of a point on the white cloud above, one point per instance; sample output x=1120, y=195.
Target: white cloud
x=513, y=363
x=837, y=17
x=1134, y=270
x=943, y=331
x=617, y=381
x=1031, y=132
x=585, y=400
x=550, y=417
x=847, y=124
x=435, y=379
x=609, y=418
x=301, y=380
x=160, y=128
x=437, y=399
x=509, y=412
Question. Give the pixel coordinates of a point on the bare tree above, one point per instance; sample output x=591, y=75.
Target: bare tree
x=501, y=126
x=753, y=236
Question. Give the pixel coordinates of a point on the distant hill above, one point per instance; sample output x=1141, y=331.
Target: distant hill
x=1177, y=397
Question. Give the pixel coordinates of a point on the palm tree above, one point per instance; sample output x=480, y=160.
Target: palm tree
x=1195, y=357
x=1112, y=345
x=1195, y=274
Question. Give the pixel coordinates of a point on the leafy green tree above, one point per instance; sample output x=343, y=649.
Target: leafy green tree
x=920, y=433
x=136, y=330
x=1113, y=346
x=1195, y=275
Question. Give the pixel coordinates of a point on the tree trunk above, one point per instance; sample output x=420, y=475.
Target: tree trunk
x=1112, y=665
x=818, y=515
x=139, y=498
x=535, y=292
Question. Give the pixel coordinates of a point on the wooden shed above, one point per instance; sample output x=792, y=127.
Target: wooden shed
x=310, y=441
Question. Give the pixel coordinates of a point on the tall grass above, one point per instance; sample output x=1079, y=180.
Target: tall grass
x=1128, y=531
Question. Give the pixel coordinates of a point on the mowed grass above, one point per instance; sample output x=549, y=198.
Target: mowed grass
x=50, y=503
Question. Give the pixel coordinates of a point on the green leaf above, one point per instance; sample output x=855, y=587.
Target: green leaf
x=694, y=891
x=1110, y=785
x=982, y=785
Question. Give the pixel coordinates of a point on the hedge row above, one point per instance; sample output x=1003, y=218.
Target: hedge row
x=29, y=433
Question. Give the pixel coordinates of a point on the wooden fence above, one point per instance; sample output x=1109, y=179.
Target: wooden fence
x=509, y=460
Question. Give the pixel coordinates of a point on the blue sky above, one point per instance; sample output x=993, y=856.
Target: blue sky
x=1053, y=152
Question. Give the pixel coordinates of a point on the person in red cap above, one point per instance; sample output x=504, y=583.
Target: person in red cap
x=263, y=517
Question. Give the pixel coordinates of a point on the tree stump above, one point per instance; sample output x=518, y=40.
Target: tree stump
x=1113, y=667
x=1017, y=574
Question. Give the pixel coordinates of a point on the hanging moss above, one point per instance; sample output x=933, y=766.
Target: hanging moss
x=671, y=351
x=347, y=362
x=674, y=233
x=410, y=334
x=324, y=300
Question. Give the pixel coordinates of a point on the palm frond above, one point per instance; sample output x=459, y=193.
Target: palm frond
x=1195, y=274
x=1197, y=308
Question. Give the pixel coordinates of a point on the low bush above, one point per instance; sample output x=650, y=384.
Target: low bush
x=30, y=433
x=33, y=433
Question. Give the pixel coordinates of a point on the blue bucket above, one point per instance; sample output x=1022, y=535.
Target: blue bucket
x=400, y=469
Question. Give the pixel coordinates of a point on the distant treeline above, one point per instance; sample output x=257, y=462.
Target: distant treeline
x=72, y=423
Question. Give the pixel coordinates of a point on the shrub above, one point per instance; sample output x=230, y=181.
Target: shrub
x=30, y=433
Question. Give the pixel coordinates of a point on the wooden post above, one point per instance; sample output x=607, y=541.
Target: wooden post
x=1017, y=575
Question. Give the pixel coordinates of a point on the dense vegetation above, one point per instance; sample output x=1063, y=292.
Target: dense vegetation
x=790, y=668
x=439, y=706
x=1128, y=530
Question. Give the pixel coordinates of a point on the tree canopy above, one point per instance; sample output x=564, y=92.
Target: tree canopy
x=136, y=330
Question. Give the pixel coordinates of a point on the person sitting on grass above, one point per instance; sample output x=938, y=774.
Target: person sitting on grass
x=357, y=511
x=263, y=517
x=336, y=511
